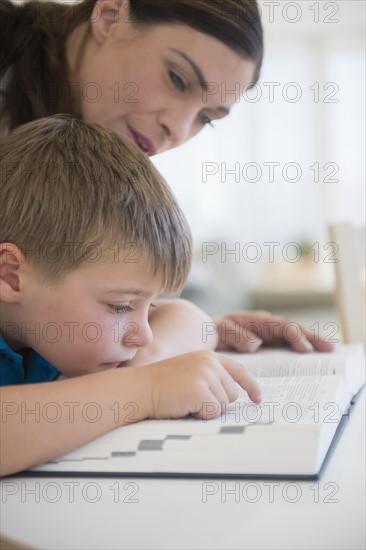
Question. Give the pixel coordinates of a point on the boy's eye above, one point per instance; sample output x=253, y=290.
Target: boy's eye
x=120, y=309
x=177, y=81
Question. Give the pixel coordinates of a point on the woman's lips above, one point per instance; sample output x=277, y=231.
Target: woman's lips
x=144, y=143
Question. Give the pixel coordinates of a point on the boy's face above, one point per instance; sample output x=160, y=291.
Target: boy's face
x=94, y=319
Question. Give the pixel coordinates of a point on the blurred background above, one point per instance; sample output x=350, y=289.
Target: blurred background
x=261, y=189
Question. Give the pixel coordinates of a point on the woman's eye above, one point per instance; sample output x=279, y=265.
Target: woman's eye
x=120, y=309
x=206, y=120
x=177, y=81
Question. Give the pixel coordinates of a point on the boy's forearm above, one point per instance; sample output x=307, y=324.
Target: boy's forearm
x=42, y=421
x=178, y=327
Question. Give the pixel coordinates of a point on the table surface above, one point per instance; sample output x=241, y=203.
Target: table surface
x=74, y=513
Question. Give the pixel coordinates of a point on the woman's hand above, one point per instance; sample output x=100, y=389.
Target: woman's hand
x=246, y=332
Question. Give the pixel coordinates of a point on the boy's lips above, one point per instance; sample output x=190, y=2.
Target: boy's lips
x=111, y=365
x=117, y=364
x=144, y=143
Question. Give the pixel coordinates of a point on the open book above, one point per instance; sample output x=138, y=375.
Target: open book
x=306, y=399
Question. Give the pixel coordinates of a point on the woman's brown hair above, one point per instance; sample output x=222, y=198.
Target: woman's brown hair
x=33, y=66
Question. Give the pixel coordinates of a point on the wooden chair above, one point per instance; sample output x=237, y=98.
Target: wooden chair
x=10, y=544
x=350, y=280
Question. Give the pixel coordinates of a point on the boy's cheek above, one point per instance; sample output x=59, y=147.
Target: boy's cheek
x=73, y=358
x=78, y=348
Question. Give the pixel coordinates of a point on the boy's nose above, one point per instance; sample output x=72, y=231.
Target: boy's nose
x=145, y=335
x=138, y=335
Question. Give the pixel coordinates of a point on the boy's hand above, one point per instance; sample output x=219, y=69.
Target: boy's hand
x=247, y=331
x=182, y=385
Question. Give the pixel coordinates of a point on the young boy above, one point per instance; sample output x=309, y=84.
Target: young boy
x=90, y=235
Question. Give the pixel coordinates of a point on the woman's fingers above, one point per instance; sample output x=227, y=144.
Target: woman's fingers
x=245, y=332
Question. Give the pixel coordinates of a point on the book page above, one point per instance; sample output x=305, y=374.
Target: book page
x=347, y=361
x=294, y=400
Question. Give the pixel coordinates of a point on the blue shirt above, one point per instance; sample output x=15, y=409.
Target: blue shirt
x=23, y=367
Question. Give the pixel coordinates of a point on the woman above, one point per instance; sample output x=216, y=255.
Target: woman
x=152, y=70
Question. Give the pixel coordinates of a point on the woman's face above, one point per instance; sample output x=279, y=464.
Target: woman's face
x=158, y=86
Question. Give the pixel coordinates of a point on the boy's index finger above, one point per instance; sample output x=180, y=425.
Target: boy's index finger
x=242, y=376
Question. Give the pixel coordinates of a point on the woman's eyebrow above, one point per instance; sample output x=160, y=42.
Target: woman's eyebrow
x=199, y=74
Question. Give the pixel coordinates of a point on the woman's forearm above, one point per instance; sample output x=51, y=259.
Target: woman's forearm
x=178, y=327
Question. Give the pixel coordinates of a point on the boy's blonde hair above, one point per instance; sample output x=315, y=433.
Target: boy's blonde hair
x=73, y=192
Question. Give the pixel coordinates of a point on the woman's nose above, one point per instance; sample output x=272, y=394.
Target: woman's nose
x=178, y=124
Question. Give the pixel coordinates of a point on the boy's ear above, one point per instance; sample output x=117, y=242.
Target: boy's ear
x=11, y=259
x=105, y=14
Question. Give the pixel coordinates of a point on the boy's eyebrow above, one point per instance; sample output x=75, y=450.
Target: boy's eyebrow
x=135, y=291
x=199, y=74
